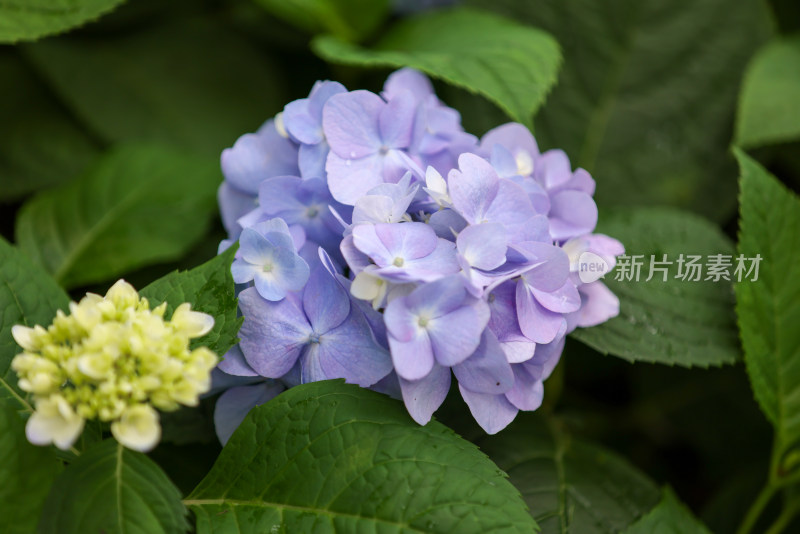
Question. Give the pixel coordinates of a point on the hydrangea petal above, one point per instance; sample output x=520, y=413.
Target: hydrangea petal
x=350, y=123
x=234, y=405
x=233, y=363
x=423, y=397
x=272, y=334
x=325, y=301
x=486, y=370
x=528, y=391
x=492, y=412
x=537, y=323
x=350, y=351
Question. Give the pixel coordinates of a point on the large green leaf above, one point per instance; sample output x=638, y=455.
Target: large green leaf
x=512, y=65
x=191, y=83
x=330, y=457
x=769, y=308
x=570, y=485
x=347, y=19
x=28, y=296
x=40, y=145
x=26, y=474
x=139, y=205
x=25, y=20
x=769, y=107
x=646, y=97
x=677, y=322
x=670, y=516
x=210, y=289
x=113, y=490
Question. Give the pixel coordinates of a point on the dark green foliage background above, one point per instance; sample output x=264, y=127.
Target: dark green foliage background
x=649, y=95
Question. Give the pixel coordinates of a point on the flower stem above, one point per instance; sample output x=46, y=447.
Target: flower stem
x=757, y=508
x=783, y=520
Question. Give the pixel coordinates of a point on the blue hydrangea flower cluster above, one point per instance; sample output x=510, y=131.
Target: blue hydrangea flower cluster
x=381, y=243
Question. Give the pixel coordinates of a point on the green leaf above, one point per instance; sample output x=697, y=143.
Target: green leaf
x=677, y=322
x=646, y=97
x=347, y=19
x=190, y=83
x=31, y=19
x=113, y=490
x=570, y=485
x=26, y=474
x=28, y=296
x=40, y=145
x=769, y=309
x=210, y=289
x=670, y=516
x=330, y=457
x=138, y=206
x=769, y=107
x=512, y=65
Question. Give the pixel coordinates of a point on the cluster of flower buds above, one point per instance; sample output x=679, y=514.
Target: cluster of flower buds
x=382, y=244
x=113, y=359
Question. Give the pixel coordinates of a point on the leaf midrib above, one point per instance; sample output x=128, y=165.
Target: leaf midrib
x=296, y=508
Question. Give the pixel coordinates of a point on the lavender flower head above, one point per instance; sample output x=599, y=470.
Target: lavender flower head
x=382, y=244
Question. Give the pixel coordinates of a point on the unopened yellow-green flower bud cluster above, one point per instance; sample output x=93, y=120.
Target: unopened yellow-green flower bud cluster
x=112, y=359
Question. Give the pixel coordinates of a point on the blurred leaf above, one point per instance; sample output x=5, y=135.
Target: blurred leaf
x=28, y=296
x=331, y=457
x=769, y=308
x=569, y=485
x=675, y=322
x=210, y=289
x=511, y=65
x=139, y=205
x=786, y=14
x=192, y=83
x=40, y=145
x=769, y=107
x=646, y=97
x=350, y=20
x=26, y=474
x=670, y=516
x=113, y=490
x=31, y=19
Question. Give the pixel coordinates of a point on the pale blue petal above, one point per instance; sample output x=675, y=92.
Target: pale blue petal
x=234, y=405
x=492, y=412
x=487, y=370
x=423, y=397
x=273, y=333
x=325, y=301
x=350, y=351
x=233, y=363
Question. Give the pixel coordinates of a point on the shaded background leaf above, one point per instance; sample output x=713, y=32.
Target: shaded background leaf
x=192, y=83
x=646, y=95
x=25, y=20
x=138, y=205
x=347, y=19
x=512, y=65
x=570, y=485
x=41, y=145
x=674, y=322
x=670, y=516
x=769, y=105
